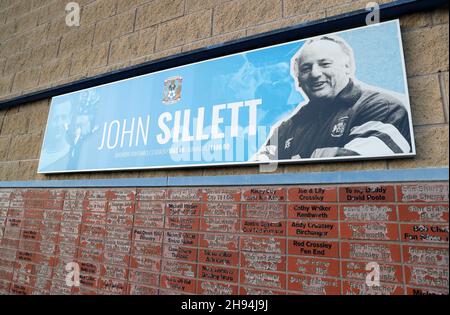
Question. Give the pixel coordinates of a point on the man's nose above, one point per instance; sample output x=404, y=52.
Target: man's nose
x=316, y=71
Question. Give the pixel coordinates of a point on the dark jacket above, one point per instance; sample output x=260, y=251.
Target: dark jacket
x=359, y=121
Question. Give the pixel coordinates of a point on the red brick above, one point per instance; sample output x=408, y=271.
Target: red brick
x=247, y=290
x=31, y=235
x=263, y=279
x=219, y=224
x=373, y=193
x=57, y=194
x=316, y=229
x=34, y=214
x=10, y=243
x=313, y=211
x=118, y=245
x=118, y=232
x=90, y=255
x=361, y=288
x=218, y=241
x=436, y=233
x=312, y=194
x=143, y=277
x=35, y=225
x=264, y=194
x=187, y=194
x=263, y=244
x=426, y=291
x=118, y=219
x=314, y=266
x=149, y=221
x=216, y=288
x=367, y=212
x=180, y=252
x=89, y=268
x=314, y=285
x=426, y=255
x=93, y=230
x=51, y=204
x=357, y=270
x=33, y=204
x=16, y=213
x=218, y=273
x=263, y=261
x=74, y=206
x=75, y=194
x=114, y=272
x=180, y=238
x=179, y=268
x=20, y=290
x=95, y=205
x=427, y=276
x=150, y=208
x=90, y=283
x=135, y=289
x=91, y=242
x=96, y=194
x=113, y=286
x=8, y=254
x=71, y=239
x=94, y=218
x=229, y=210
x=115, y=258
x=264, y=211
x=6, y=275
x=5, y=286
x=178, y=284
x=146, y=248
x=423, y=212
x=181, y=223
x=305, y=247
x=121, y=206
x=24, y=279
x=120, y=194
x=37, y=194
x=151, y=194
x=59, y=287
x=273, y=227
x=371, y=251
x=7, y=264
x=369, y=231
x=219, y=257
x=52, y=215
x=422, y=192
x=68, y=250
x=140, y=234
x=31, y=246
x=221, y=194
x=182, y=209
x=17, y=204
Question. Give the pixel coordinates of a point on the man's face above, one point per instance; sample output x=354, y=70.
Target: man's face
x=323, y=69
x=60, y=120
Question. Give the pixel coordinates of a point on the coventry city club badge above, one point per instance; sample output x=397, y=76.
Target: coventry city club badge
x=172, y=90
x=339, y=129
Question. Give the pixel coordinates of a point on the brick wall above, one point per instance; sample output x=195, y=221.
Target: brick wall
x=38, y=50
x=209, y=240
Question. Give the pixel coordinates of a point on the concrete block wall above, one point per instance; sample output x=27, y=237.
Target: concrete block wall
x=38, y=50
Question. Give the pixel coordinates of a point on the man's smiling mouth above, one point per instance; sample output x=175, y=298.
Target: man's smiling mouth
x=319, y=85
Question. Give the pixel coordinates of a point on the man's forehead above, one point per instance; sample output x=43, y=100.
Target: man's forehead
x=321, y=49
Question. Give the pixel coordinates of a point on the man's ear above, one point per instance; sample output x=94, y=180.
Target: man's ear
x=348, y=70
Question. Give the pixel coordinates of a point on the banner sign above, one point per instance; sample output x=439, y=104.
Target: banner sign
x=339, y=96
